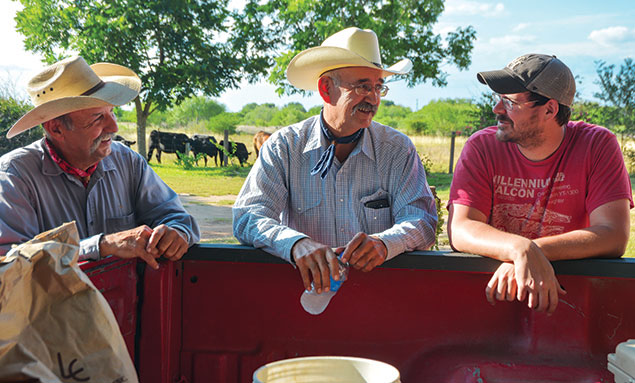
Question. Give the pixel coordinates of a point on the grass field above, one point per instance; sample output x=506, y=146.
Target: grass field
x=213, y=181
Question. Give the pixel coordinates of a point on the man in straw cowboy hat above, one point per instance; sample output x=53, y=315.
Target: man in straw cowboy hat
x=77, y=173
x=536, y=187
x=338, y=180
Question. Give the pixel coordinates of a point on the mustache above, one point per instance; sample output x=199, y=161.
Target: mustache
x=99, y=139
x=502, y=118
x=366, y=106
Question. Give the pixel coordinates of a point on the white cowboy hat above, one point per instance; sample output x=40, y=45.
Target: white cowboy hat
x=70, y=85
x=350, y=47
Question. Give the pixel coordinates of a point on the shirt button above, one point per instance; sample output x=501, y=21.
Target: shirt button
x=375, y=217
x=299, y=209
x=341, y=199
x=342, y=230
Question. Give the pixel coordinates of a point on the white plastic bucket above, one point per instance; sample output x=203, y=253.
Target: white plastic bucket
x=327, y=369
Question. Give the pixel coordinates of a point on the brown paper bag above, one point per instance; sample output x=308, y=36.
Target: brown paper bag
x=54, y=325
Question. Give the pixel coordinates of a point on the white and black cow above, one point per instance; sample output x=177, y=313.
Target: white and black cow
x=241, y=151
x=205, y=145
x=167, y=142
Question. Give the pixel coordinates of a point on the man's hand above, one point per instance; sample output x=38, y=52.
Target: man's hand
x=530, y=276
x=315, y=261
x=502, y=286
x=364, y=252
x=167, y=242
x=535, y=277
x=130, y=243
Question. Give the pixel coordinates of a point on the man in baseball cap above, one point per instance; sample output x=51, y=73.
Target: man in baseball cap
x=77, y=173
x=536, y=187
x=338, y=180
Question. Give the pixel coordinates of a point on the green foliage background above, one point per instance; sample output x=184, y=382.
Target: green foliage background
x=11, y=110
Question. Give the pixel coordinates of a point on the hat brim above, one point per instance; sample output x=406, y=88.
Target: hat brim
x=307, y=66
x=121, y=85
x=501, y=81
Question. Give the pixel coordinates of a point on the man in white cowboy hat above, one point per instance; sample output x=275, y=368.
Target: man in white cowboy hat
x=536, y=187
x=338, y=180
x=77, y=173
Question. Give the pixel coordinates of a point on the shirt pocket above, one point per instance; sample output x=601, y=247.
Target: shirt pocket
x=116, y=224
x=304, y=205
x=377, y=219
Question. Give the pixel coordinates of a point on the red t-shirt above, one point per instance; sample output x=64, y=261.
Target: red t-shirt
x=543, y=198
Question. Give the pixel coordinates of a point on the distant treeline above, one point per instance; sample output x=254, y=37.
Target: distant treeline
x=439, y=117
x=204, y=115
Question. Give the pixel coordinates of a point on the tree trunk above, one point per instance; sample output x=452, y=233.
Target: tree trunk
x=142, y=118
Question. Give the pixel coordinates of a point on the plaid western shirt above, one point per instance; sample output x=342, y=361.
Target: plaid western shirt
x=281, y=203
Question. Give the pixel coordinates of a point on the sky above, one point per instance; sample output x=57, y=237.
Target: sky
x=578, y=32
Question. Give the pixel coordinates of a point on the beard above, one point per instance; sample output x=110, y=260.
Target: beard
x=527, y=135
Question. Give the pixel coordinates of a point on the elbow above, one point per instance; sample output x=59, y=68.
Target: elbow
x=620, y=243
x=457, y=241
x=619, y=248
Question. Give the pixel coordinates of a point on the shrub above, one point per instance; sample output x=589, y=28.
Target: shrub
x=187, y=161
x=10, y=111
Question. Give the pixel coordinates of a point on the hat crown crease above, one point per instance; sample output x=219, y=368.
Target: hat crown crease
x=359, y=41
x=70, y=85
x=68, y=78
x=349, y=48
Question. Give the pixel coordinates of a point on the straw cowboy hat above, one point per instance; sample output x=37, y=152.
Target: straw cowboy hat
x=70, y=85
x=350, y=47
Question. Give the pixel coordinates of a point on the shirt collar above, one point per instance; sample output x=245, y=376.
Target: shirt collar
x=50, y=168
x=317, y=140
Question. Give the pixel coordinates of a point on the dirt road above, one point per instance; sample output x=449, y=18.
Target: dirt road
x=214, y=216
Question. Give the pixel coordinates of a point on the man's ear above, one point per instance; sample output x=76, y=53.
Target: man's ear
x=325, y=87
x=552, y=108
x=53, y=128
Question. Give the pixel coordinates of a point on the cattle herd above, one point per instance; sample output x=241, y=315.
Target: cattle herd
x=199, y=144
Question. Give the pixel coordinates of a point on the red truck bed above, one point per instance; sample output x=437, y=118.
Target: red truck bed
x=225, y=310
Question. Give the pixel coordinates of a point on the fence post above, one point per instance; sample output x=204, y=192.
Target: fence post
x=452, y=153
x=226, y=146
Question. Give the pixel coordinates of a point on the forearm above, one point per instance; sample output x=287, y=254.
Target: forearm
x=606, y=236
x=264, y=232
x=409, y=235
x=471, y=236
x=595, y=241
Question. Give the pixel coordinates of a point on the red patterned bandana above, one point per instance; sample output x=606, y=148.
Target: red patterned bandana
x=84, y=176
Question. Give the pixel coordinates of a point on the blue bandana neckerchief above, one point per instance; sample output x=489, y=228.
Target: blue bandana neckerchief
x=326, y=160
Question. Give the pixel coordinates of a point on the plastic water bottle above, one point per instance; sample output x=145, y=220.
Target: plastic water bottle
x=315, y=303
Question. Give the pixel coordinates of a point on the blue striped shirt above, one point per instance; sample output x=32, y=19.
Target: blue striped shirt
x=281, y=203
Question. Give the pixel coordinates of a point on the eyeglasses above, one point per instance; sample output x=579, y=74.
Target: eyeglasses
x=507, y=103
x=365, y=89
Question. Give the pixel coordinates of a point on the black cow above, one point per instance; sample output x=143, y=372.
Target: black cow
x=241, y=151
x=167, y=142
x=123, y=140
x=205, y=145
